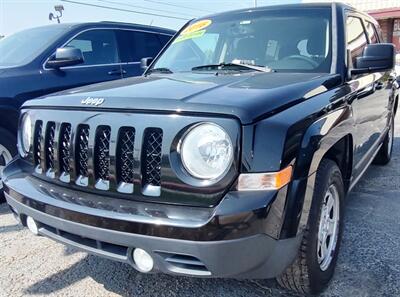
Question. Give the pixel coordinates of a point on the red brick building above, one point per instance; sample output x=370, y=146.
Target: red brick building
x=389, y=19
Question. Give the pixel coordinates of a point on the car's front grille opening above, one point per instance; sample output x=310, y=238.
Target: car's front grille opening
x=102, y=157
x=37, y=146
x=65, y=152
x=125, y=161
x=151, y=161
x=185, y=264
x=49, y=148
x=82, y=155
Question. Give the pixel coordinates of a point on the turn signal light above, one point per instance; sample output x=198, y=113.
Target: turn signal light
x=264, y=181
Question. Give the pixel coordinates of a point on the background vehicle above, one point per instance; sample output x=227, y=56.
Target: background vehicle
x=239, y=170
x=48, y=59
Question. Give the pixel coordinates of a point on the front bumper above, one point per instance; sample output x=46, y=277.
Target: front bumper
x=234, y=239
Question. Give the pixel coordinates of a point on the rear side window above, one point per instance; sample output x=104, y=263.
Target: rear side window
x=97, y=46
x=371, y=31
x=135, y=45
x=356, y=38
x=164, y=39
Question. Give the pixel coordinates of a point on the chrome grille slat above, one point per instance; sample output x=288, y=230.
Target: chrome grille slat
x=82, y=155
x=64, y=152
x=37, y=146
x=126, y=146
x=102, y=157
x=49, y=148
x=151, y=161
x=125, y=162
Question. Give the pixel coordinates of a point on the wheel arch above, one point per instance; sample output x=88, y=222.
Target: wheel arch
x=328, y=138
x=9, y=119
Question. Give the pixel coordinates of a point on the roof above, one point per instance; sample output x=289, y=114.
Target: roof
x=283, y=7
x=126, y=25
x=111, y=24
x=386, y=13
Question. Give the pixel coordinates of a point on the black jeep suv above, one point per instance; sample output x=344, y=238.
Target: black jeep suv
x=232, y=155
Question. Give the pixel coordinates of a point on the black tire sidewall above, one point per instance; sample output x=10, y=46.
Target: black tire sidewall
x=389, y=149
x=9, y=141
x=327, y=174
x=385, y=152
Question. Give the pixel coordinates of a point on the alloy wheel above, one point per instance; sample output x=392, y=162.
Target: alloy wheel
x=328, y=232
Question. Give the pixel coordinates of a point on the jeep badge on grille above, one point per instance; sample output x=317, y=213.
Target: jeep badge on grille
x=92, y=101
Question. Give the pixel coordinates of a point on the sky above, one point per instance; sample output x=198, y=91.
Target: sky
x=16, y=15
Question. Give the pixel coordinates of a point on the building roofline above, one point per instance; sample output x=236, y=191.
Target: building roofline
x=385, y=13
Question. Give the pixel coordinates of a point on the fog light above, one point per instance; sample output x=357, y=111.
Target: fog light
x=143, y=260
x=32, y=226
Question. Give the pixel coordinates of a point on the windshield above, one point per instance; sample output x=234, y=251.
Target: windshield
x=22, y=47
x=293, y=40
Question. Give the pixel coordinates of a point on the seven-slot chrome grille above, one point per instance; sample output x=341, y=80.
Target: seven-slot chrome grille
x=82, y=154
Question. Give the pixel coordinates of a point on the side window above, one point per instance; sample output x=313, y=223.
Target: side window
x=164, y=39
x=136, y=45
x=356, y=38
x=371, y=31
x=97, y=46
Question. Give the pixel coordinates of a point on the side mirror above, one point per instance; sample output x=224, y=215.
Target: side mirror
x=377, y=57
x=145, y=62
x=66, y=56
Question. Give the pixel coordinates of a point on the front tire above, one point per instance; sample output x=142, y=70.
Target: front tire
x=316, y=260
x=7, y=151
x=385, y=152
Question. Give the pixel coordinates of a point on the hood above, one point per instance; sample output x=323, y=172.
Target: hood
x=246, y=96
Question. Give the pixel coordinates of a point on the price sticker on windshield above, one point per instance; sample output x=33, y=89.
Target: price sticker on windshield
x=195, y=30
x=200, y=25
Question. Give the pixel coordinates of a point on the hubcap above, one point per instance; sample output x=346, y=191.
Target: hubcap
x=328, y=228
x=5, y=158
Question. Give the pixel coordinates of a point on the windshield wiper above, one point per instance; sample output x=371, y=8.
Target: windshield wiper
x=160, y=70
x=232, y=64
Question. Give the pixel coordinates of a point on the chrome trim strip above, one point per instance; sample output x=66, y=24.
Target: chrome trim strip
x=334, y=39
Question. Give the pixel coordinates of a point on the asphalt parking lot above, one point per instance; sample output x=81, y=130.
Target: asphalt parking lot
x=369, y=263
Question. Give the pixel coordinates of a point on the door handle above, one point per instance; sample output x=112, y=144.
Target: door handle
x=117, y=72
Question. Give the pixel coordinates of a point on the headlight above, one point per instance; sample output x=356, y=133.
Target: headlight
x=26, y=133
x=207, y=151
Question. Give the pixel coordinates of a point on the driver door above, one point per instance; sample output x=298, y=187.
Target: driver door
x=101, y=61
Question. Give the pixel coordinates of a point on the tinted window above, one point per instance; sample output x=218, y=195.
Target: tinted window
x=22, y=47
x=371, y=31
x=356, y=38
x=291, y=40
x=135, y=45
x=97, y=46
x=164, y=38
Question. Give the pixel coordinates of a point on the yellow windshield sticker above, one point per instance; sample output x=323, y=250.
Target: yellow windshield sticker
x=191, y=35
x=200, y=25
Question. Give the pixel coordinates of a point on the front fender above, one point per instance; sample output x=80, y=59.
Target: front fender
x=318, y=139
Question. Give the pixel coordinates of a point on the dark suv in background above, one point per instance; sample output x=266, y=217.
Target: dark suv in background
x=43, y=60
